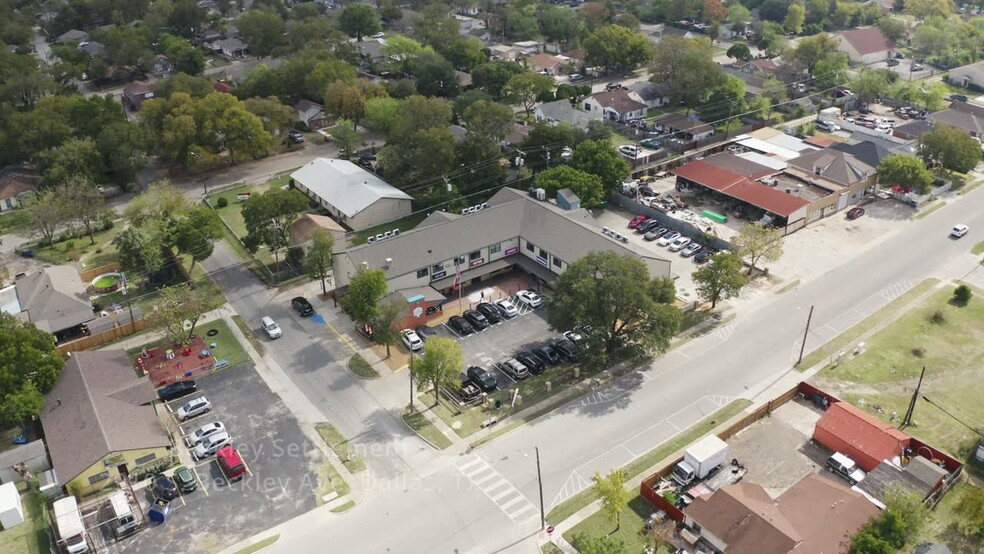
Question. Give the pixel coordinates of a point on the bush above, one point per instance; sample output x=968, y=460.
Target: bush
x=938, y=317
x=222, y=202
x=301, y=126
x=961, y=295
x=919, y=352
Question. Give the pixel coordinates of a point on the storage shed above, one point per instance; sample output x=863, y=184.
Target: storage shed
x=11, y=510
x=568, y=200
x=866, y=439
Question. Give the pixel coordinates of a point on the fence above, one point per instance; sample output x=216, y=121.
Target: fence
x=671, y=222
x=90, y=274
x=98, y=339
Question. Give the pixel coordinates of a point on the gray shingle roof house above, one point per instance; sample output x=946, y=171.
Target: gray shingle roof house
x=351, y=195
x=967, y=76
x=561, y=111
x=651, y=94
x=837, y=166
x=54, y=299
x=72, y=35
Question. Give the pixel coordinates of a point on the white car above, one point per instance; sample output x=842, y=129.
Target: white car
x=828, y=126
x=668, y=238
x=959, y=230
x=210, y=444
x=192, y=408
x=508, y=308
x=529, y=298
x=411, y=339
x=202, y=432
x=270, y=327
x=679, y=244
x=629, y=150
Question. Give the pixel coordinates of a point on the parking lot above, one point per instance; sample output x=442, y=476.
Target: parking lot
x=281, y=483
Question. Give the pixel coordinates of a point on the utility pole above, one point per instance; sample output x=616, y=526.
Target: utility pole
x=907, y=420
x=539, y=480
x=805, y=333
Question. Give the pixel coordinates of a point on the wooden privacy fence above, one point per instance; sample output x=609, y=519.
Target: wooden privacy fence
x=103, y=337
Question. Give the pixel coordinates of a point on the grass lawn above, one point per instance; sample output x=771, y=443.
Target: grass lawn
x=14, y=222
x=329, y=480
x=631, y=522
x=30, y=537
x=930, y=208
x=249, y=334
x=232, y=213
x=426, y=429
x=882, y=379
x=79, y=249
x=618, y=139
x=944, y=528
x=228, y=348
x=826, y=351
x=259, y=546
x=978, y=248
x=343, y=508
x=361, y=368
x=340, y=446
x=404, y=225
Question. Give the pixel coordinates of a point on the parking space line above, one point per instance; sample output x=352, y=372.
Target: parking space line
x=200, y=481
x=450, y=330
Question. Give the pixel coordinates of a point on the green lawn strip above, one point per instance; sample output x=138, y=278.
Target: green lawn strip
x=833, y=346
x=30, y=537
x=259, y=546
x=361, y=368
x=427, y=430
x=343, y=508
x=881, y=380
x=631, y=521
x=934, y=205
x=550, y=548
x=971, y=186
x=329, y=480
x=978, y=248
x=249, y=334
x=14, y=222
x=944, y=526
x=340, y=446
x=227, y=347
x=651, y=459
x=404, y=225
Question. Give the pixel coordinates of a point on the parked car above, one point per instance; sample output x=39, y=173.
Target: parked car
x=411, y=340
x=270, y=327
x=845, y=467
x=656, y=233
x=958, y=97
x=917, y=67
x=485, y=380
x=629, y=150
x=295, y=136
x=507, y=308
x=691, y=249
x=192, y=408
x=855, y=213
x=828, y=126
x=666, y=239
x=637, y=220
x=476, y=319
x=703, y=256
x=547, y=354
x=231, y=462
x=613, y=86
x=204, y=431
x=534, y=364
x=573, y=336
x=164, y=487
x=490, y=311
x=679, y=244
x=646, y=226
x=567, y=349
x=208, y=446
x=303, y=307
x=515, y=369
x=892, y=62
x=575, y=77
x=460, y=325
x=176, y=390
x=529, y=298
x=185, y=480
x=651, y=143
x=959, y=230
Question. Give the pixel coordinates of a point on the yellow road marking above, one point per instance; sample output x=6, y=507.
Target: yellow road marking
x=344, y=338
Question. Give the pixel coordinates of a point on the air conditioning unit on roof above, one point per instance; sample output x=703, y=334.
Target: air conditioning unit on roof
x=371, y=240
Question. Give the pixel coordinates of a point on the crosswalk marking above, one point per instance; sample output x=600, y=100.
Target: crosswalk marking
x=500, y=491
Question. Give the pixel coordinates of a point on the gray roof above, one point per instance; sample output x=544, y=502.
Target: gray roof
x=428, y=294
x=974, y=71
x=970, y=122
x=92, y=48
x=72, y=35
x=21, y=453
x=561, y=110
x=231, y=44
x=648, y=91
x=839, y=167
x=867, y=151
x=371, y=48
x=931, y=548
x=98, y=406
x=434, y=218
x=925, y=471
x=54, y=298
x=915, y=127
x=511, y=213
x=344, y=185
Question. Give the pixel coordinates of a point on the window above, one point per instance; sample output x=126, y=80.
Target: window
x=531, y=247
x=544, y=253
x=145, y=459
x=495, y=248
x=475, y=255
x=421, y=273
x=437, y=268
x=98, y=477
x=557, y=262
x=460, y=260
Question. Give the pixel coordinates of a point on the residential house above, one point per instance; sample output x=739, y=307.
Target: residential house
x=546, y=64
x=135, y=93
x=866, y=45
x=351, y=195
x=962, y=115
x=912, y=130
x=54, y=299
x=17, y=184
x=762, y=67
x=371, y=51
x=231, y=47
x=617, y=105
x=464, y=79
x=304, y=228
x=161, y=66
x=504, y=52
x=669, y=30
x=527, y=47
x=92, y=48
x=575, y=58
x=209, y=36
x=650, y=94
x=686, y=128
x=468, y=24
x=967, y=76
x=869, y=152
x=313, y=115
x=100, y=421
x=72, y=35
x=561, y=111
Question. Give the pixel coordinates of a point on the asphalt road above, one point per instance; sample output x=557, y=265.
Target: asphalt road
x=616, y=424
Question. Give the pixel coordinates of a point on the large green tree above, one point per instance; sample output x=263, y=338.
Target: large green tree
x=599, y=157
x=905, y=171
x=758, y=243
x=365, y=289
x=140, y=251
x=317, y=262
x=686, y=68
x=84, y=202
x=526, y=89
x=359, y=20
x=610, y=294
x=720, y=279
x=262, y=30
x=617, y=49
x=386, y=323
x=586, y=186
x=269, y=216
x=489, y=119
x=46, y=214
x=725, y=101
x=197, y=232
x=440, y=365
x=29, y=367
x=950, y=148
x=177, y=305
x=493, y=76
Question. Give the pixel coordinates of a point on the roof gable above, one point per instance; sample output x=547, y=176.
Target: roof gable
x=866, y=41
x=866, y=433
x=618, y=100
x=344, y=185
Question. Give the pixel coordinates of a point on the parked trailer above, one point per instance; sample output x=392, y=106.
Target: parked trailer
x=68, y=524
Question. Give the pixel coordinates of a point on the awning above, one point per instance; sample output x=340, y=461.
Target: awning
x=468, y=274
x=531, y=266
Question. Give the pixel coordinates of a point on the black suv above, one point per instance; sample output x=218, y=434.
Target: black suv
x=490, y=311
x=547, y=354
x=176, y=390
x=460, y=325
x=476, y=319
x=484, y=379
x=568, y=351
x=164, y=487
x=303, y=307
x=534, y=364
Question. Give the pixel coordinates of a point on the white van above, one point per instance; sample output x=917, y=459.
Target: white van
x=126, y=524
x=270, y=327
x=68, y=523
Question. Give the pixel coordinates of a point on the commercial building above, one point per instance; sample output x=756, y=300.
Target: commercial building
x=352, y=196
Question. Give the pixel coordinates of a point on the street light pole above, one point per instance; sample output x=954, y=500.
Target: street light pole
x=539, y=480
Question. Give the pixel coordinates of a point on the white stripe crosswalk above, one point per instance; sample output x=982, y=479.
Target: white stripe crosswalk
x=500, y=491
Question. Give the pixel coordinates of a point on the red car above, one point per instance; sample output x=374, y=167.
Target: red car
x=637, y=220
x=231, y=462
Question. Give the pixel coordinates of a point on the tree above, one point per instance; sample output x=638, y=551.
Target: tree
x=721, y=279
x=868, y=542
x=950, y=148
x=561, y=24
x=346, y=138
x=197, y=232
x=489, y=119
x=177, y=309
x=611, y=294
x=758, y=242
x=599, y=157
x=895, y=28
x=262, y=30
x=725, y=101
x=586, y=186
x=345, y=100
x=903, y=517
x=905, y=171
x=386, y=323
x=770, y=37
x=739, y=51
x=614, y=498
x=139, y=251
x=359, y=20
x=29, y=367
x=493, y=76
x=599, y=545
x=46, y=214
x=162, y=205
x=317, y=262
x=795, y=16
x=276, y=117
x=73, y=157
x=546, y=137
x=269, y=216
x=714, y=12
x=617, y=49
x=382, y=113
x=811, y=50
x=83, y=201
x=922, y=9
x=365, y=289
x=525, y=89
x=440, y=365
x=738, y=15
x=870, y=84
x=687, y=69
x=435, y=75
x=123, y=152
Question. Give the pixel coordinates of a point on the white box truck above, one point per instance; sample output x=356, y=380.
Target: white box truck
x=700, y=459
x=68, y=523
